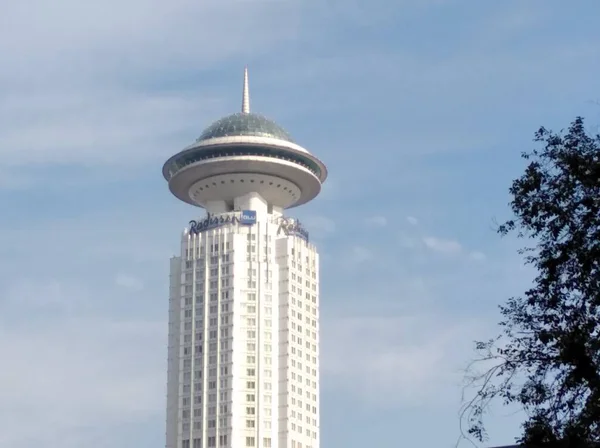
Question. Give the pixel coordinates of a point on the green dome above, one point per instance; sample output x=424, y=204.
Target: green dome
x=245, y=124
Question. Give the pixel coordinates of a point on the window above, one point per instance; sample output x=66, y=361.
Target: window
x=249, y=423
x=249, y=441
x=250, y=410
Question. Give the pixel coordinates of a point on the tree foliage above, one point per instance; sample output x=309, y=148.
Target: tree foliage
x=547, y=358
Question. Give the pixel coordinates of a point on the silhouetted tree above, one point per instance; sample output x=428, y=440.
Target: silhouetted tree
x=547, y=358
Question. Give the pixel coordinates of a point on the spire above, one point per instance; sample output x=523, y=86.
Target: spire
x=246, y=94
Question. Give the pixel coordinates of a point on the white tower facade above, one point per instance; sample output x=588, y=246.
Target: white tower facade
x=243, y=356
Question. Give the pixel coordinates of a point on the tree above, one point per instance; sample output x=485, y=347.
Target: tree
x=547, y=357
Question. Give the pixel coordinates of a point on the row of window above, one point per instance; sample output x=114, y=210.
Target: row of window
x=225, y=258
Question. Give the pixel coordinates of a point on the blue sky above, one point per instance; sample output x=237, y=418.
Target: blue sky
x=420, y=109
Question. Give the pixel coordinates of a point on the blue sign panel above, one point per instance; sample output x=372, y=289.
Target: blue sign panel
x=248, y=217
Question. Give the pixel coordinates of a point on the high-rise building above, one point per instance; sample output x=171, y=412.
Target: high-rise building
x=243, y=356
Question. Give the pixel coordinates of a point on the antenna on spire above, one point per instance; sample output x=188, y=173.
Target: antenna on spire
x=246, y=94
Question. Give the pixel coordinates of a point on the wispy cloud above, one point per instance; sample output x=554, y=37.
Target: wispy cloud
x=359, y=255
x=477, y=256
x=85, y=368
x=69, y=98
x=129, y=282
x=377, y=221
x=412, y=220
x=405, y=361
x=321, y=225
x=445, y=246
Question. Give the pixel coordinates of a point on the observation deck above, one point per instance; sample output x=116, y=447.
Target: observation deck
x=245, y=153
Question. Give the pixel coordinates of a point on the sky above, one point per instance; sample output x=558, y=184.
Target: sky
x=420, y=109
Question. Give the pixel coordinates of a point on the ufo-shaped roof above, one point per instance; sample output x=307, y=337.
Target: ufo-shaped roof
x=245, y=124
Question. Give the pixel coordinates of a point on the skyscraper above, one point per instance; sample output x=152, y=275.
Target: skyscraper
x=243, y=356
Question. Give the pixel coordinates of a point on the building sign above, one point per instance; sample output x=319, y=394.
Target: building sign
x=245, y=217
x=212, y=222
x=248, y=217
x=292, y=227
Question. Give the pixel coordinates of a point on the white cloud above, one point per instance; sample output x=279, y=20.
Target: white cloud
x=359, y=255
x=412, y=220
x=407, y=241
x=320, y=225
x=70, y=371
x=44, y=294
x=442, y=245
x=67, y=96
x=377, y=221
x=129, y=282
x=94, y=126
x=404, y=361
x=477, y=256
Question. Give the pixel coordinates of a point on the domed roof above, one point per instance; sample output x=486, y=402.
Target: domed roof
x=245, y=124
